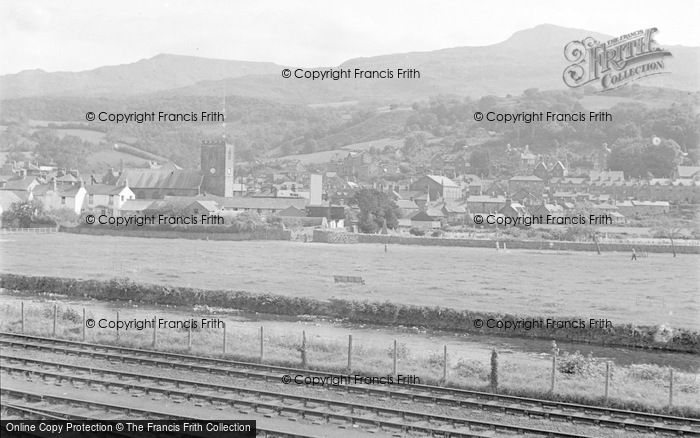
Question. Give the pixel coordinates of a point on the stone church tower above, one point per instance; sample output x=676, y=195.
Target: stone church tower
x=217, y=168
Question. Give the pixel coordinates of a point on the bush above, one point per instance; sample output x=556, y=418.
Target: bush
x=647, y=372
x=575, y=363
x=437, y=233
x=417, y=232
x=471, y=368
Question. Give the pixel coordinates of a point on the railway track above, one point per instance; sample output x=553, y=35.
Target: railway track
x=20, y=402
x=600, y=416
x=267, y=402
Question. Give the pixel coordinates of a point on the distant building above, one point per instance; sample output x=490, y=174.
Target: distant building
x=104, y=199
x=430, y=218
x=438, y=187
x=529, y=183
x=54, y=196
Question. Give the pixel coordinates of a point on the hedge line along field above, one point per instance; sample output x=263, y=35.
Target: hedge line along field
x=656, y=290
x=364, y=312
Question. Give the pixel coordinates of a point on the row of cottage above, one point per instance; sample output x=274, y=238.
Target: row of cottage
x=429, y=200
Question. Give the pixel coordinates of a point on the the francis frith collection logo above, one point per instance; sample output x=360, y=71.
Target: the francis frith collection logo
x=616, y=62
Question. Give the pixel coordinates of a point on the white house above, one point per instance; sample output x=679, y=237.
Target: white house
x=105, y=198
x=54, y=197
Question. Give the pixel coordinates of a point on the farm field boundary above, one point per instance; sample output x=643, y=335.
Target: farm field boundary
x=364, y=312
x=161, y=234
x=324, y=236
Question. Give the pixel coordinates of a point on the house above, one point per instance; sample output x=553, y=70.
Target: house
x=438, y=187
x=261, y=206
x=639, y=209
x=552, y=210
x=133, y=207
x=485, y=204
x=541, y=170
x=494, y=188
x=558, y=170
x=596, y=176
x=687, y=172
x=292, y=211
x=408, y=207
x=430, y=218
x=201, y=207
x=454, y=213
x=26, y=184
x=513, y=210
x=54, y=197
x=530, y=183
x=526, y=198
x=105, y=198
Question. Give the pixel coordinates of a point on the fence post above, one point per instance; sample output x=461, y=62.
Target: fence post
x=444, y=367
x=395, y=355
x=670, y=390
x=607, y=379
x=155, y=332
x=262, y=344
x=83, y=324
x=117, y=326
x=224, y=341
x=349, y=353
x=302, y=349
x=555, y=351
x=22, y=315
x=189, y=336
x=55, y=316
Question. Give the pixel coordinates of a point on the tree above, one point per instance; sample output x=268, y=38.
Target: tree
x=375, y=207
x=639, y=158
x=480, y=161
x=23, y=213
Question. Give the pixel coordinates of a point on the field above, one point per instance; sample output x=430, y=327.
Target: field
x=659, y=289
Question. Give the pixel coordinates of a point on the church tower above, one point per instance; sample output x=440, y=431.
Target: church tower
x=217, y=168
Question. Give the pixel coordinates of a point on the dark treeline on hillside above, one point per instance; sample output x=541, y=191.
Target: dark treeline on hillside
x=263, y=129
x=628, y=136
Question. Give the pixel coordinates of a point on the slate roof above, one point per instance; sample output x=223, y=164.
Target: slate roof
x=103, y=189
x=443, y=181
x=161, y=179
x=19, y=184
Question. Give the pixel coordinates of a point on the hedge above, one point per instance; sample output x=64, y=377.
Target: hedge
x=386, y=313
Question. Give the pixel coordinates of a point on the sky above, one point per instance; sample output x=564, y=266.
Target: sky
x=75, y=35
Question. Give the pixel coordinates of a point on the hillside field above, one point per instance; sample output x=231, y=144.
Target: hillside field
x=659, y=289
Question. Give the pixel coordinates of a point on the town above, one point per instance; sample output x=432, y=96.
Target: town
x=442, y=193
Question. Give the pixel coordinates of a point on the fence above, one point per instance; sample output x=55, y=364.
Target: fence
x=28, y=230
x=218, y=339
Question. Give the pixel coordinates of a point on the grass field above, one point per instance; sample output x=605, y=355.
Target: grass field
x=659, y=289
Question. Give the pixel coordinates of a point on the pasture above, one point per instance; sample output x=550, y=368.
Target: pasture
x=659, y=289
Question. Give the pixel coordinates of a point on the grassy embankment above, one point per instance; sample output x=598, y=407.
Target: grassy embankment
x=579, y=379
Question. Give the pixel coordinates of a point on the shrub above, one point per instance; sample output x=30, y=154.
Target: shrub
x=575, y=363
x=647, y=372
x=471, y=368
x=417, y=232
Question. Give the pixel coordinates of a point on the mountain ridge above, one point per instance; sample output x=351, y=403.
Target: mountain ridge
x=529, y=58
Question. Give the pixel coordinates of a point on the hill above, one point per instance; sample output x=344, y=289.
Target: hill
x=531, y=58
x=162, y=72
